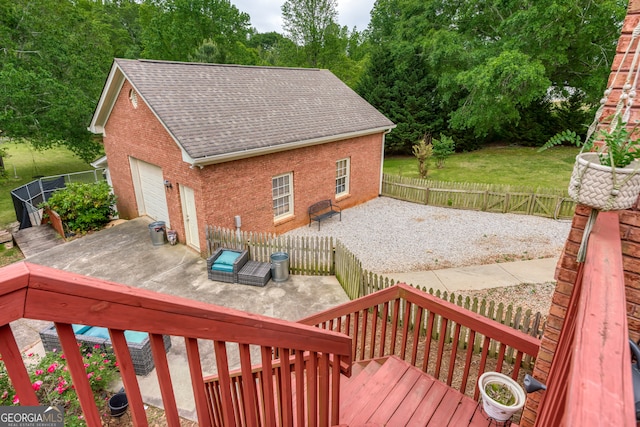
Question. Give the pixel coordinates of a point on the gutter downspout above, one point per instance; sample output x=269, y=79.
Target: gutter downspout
x=382, y=161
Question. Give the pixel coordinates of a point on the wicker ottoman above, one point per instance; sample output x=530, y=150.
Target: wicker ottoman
x=255, y=273
x=140, y=352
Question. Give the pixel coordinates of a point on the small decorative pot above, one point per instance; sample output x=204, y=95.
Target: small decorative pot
x=497, y=410
x=602, y=187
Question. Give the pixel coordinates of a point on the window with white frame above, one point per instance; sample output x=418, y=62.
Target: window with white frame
x=342, y=177
x=282, y=194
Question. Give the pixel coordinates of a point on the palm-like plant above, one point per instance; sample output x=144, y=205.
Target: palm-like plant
x=617, y=146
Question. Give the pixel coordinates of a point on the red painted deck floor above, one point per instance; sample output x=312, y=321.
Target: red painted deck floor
x=391, y=392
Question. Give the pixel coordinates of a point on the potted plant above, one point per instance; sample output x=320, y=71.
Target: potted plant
x=605, y=176
x=501, y=395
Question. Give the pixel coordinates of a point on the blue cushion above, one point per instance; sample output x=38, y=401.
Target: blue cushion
x=222, y=267
x=135, y=336
x=97, y=332
x=80, y=329
x=227, y=257
x=130, y=336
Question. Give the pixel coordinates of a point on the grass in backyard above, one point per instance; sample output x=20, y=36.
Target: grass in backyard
x=510, y=165
x=25, y=164
x=9, y=256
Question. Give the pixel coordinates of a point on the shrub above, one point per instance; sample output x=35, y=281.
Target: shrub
x=423, y=151
x=442, y=148
x=83, y=207
x=51, y=380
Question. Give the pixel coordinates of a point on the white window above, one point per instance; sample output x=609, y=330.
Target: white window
x=342, y=177
x=282, y=194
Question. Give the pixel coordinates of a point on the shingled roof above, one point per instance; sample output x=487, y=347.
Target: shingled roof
x=215, y=112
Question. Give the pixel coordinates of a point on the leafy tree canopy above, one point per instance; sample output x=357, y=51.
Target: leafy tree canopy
x=488, y=68
x=55, y=58
x=176, y=29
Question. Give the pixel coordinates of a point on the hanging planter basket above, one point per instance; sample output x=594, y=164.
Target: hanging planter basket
x=602, y=187
x=494, y=409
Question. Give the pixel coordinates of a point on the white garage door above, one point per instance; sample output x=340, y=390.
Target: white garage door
x=150, y=191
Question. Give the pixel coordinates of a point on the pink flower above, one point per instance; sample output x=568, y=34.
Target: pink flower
x=16, y=399
x=36, y=386
x=62, y=356
x=89, y=375
x=30, y=354
x=96, y=346
x=52, y=367
x=39, y=372
x=86, y=365
x=4, y=395
x=105, y=361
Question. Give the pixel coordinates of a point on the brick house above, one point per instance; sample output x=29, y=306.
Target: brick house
x=199, y=144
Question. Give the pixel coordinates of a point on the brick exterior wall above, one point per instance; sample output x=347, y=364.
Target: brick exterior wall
x=566, y=270
x=241, y=187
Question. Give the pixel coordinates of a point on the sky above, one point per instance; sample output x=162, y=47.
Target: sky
x=266, y=15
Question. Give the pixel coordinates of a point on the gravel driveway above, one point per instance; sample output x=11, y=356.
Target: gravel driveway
x=390, y=235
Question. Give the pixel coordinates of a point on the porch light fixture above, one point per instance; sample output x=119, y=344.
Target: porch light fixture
x=167, y=184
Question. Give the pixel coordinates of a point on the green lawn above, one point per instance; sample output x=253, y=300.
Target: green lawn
x=24, y=164
x=522, y=166
x=499, y=165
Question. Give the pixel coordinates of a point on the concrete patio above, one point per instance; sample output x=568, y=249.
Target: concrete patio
x=124, y=254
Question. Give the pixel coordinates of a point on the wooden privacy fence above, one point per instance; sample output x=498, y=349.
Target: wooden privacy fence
x=320, y=256
x=548, y=203
x=311, y=256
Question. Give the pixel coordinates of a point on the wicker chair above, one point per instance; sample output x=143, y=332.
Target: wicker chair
x=226, y=276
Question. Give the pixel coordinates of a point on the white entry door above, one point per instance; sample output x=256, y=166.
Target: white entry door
x=190, y=217
x=150, y=192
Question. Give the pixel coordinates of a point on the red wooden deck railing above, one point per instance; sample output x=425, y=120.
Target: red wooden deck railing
x=34, y=292
x=419, y=328
x=395, y=321
x=589, y=380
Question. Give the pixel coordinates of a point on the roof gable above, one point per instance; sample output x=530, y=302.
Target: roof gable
x=215, y=110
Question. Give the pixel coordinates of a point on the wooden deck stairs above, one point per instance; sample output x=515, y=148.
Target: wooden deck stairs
x=389, y=391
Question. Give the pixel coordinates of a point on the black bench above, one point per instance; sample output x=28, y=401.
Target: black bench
x=322, y=210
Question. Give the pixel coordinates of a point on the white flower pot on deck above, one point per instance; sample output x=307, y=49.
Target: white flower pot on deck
x=496, y=410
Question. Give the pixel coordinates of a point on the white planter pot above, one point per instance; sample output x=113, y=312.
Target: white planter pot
x=493, y=409
x=597, y=186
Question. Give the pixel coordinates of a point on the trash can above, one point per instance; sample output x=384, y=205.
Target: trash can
x=279, y=266
x=157, y=230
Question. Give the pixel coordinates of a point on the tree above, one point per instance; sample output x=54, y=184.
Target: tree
x=484, y=68
x=175, y=29
x=226, y=53
x=55, y=56
x=442, y=149
x=310, y=23
x=423, y=151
